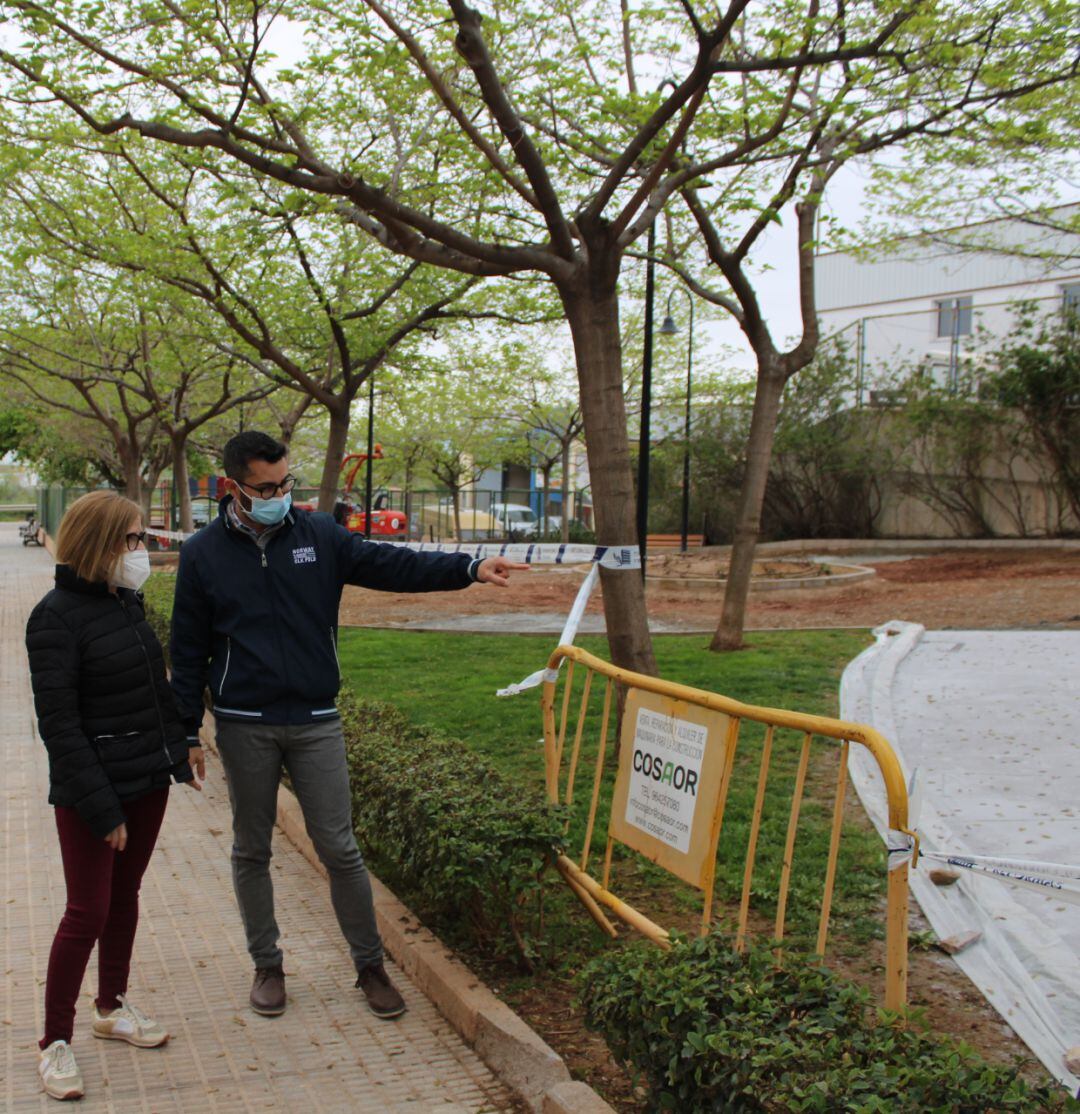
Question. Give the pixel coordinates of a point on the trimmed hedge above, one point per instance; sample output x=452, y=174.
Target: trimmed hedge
x=447, y=831
x=714, y=1031
x=157, y=601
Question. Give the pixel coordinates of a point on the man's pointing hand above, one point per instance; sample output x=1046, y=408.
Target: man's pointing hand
x=496, y=570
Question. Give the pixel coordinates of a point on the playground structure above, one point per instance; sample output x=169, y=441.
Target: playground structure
x=385, y=523
x=666, y=801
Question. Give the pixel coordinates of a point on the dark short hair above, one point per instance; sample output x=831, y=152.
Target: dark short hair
x=245, y=447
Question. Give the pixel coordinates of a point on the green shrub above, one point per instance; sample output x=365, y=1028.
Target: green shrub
x=447, y=831
x=714, y=1031
x=157, y=603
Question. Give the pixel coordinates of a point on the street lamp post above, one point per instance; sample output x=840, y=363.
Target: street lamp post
x=370, y=454
x=646, y=404
x=668, y=329
x=644, y=437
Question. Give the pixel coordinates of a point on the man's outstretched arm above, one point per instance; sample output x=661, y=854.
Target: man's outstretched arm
x=395, y=568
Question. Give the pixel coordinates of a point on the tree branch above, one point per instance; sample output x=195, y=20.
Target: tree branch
x=442, y=91
x=472, y=47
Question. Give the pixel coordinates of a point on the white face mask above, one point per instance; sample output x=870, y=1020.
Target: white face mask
x=132, y=570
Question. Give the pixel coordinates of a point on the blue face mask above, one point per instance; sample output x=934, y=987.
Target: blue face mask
x=269, y=512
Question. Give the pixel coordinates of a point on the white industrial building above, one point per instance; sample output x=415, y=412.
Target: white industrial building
x=930, y=300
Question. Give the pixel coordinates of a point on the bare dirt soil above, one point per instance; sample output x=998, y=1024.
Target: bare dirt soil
x=959, y=590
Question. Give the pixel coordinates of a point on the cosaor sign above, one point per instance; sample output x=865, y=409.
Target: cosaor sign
x=668, y=788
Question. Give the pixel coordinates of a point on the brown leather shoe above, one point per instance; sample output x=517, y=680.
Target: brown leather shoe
x=268, y=991
x=382, y=997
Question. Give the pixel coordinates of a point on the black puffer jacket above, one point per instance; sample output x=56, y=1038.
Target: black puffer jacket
x=105, y=710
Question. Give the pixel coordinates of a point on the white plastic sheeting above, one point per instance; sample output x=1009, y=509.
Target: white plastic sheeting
x=991, y=720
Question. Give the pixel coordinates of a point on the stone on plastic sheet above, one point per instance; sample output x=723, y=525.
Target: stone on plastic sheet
x=1072, y=1059
x=959, y=941
x=942, y=877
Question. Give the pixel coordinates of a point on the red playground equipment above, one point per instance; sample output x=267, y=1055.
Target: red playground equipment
x=384, y=523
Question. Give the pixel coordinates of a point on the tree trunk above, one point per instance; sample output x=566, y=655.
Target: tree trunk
x=134, y=488
x=592, y=309
x=565, y=490
x=288, y=421
x=151, y=479
x=770, y=386
x=180, y=482
x=455, y=498
x=335, y=452
x=545, y=495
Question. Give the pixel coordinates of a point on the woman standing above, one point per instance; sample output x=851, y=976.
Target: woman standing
x=115, y=742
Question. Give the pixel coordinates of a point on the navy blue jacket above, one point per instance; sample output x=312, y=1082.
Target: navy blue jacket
x=260, y=624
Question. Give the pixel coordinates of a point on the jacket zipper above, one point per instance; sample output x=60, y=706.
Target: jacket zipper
x=150, y=672
x=228, y=658
x=273, y=599
x=333, y=646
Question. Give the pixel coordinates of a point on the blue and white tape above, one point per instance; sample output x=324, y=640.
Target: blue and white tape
x=169, y=535
x=539, y=553
x=526, y=553
x=1057, y=880
x=569, y=633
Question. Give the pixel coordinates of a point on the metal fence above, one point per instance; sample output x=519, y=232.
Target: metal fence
x=482, y=514
x=666, y=795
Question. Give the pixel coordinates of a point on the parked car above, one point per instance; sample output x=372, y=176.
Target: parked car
x=516, y=519
x=579, y=532
x=438, y=522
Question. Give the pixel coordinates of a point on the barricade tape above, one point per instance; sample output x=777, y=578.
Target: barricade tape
x=569, y=633
x=527, y=553
x=169, y=535
x=1058, y=880
x=539, y=553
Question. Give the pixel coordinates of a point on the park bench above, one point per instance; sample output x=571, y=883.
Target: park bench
x=673, y=541
x=30, y=531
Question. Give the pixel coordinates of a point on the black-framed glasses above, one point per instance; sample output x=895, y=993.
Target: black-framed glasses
x=268, y=491
x=135, y=540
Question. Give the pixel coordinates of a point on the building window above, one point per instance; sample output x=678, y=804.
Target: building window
x=939, y=375
x=1070, y=298
x=954, y=317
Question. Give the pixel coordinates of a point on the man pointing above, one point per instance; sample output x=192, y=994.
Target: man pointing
x=255, y=618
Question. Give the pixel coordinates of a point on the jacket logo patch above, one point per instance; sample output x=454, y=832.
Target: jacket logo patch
x=304, y=555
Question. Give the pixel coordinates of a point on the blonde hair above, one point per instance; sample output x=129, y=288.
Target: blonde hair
x=92, y=533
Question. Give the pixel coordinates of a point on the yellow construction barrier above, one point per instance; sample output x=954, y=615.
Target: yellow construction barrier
x=675, y=767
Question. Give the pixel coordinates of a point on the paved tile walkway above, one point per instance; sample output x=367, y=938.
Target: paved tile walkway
x=191, y=971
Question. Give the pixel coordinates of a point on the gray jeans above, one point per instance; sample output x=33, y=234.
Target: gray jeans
x=314, y=755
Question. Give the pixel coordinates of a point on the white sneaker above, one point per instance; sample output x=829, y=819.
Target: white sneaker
x=128, y=1023
x=60, y=1075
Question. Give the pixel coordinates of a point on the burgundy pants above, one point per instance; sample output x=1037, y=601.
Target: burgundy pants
x=102, y=908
